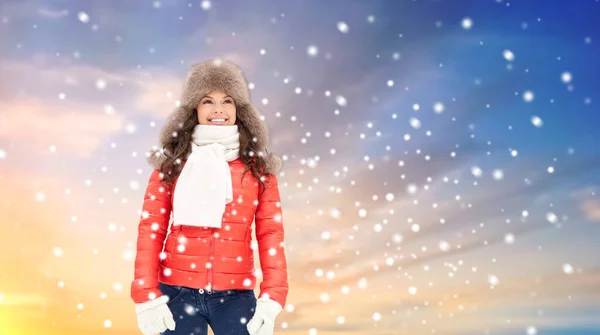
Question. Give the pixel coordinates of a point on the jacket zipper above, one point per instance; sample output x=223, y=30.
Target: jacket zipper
x=211, y=260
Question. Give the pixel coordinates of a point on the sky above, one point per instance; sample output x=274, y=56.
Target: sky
x=441, y=169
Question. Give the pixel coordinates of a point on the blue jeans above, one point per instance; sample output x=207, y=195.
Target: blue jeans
x=226, y=312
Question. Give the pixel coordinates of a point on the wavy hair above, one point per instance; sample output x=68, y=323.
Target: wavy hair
x=178, y=148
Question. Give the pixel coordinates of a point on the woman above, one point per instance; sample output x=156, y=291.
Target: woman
x=214, y=175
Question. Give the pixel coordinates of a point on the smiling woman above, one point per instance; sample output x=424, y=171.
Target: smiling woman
x=201, y=180
x=217, y=108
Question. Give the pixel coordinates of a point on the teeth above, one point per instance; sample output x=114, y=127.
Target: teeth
x=217, y=120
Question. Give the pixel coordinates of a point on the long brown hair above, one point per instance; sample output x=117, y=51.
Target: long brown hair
x=178, y=148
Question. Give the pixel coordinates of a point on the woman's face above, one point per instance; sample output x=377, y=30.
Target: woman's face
x=216, y=108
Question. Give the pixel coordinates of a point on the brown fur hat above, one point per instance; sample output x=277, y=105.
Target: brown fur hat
x=216, y=74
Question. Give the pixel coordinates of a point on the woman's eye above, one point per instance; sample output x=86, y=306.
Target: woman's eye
x=208, y=101
x=229, y=101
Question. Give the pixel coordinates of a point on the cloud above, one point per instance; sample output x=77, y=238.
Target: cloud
x=591, y=209
x=586, y=198
x=158, y=91
x=151, y=91
x=30, y=230
x=24, y=299
x=341, y=254
x=19, y=9
x=28, y=8
x=71, y=127
x=35, y=228
x=52, y=14
x=77, y=125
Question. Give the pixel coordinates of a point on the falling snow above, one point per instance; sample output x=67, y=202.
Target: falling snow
x=566, y=77
x=531, y=330
x=109, y=109
x=508, y=55
x=551, y=217
x=385, y=175
x=415, y=123
x=57, y=252
x=528, y=96
x=39, y=196
x=567, y=268
x=83, y=17
x=467, y=23
x=438, y=107
x=341, y=100
x=498, y=174
x=343, y=27
x=205, y=5
x=100, y=84
x=537, y=121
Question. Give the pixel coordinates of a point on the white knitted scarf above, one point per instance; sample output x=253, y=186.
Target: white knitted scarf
x=204, y=185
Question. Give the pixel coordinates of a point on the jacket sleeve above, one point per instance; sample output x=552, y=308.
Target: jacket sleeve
x=270, y=236
x=152, y=230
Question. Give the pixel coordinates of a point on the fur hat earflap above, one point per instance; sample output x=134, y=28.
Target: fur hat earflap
x=224, y=75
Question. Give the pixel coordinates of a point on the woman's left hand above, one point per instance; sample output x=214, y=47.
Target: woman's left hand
x=263, y=321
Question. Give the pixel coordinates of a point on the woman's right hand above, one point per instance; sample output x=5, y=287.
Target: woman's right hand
x=154, y=316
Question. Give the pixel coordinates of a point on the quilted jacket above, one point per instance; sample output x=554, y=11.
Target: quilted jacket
x=212, y=258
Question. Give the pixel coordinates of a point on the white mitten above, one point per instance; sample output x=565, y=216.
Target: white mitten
x=154, y=316
x=263, y=321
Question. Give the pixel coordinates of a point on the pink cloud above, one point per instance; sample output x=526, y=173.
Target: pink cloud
x=160, y=91
x=589, y=206
x=32, y=112
x=591, y=209
x=71, y=127
x=152, y=91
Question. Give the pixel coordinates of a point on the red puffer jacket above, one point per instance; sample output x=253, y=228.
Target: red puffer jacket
x=217, y=258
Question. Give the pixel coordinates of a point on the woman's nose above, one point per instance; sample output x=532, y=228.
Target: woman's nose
x=219, y=107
